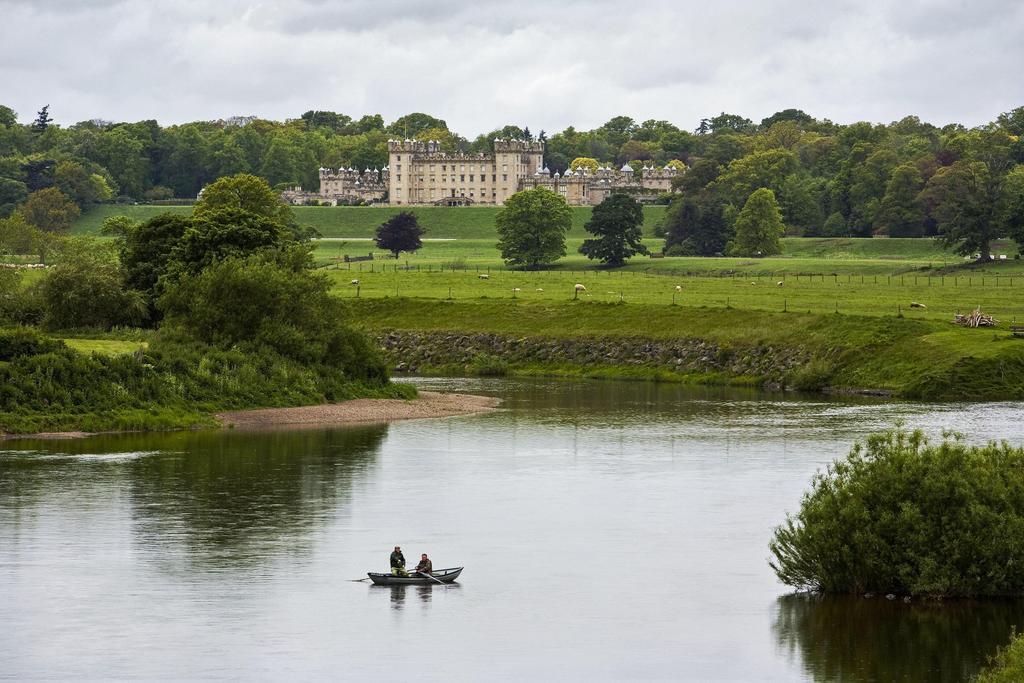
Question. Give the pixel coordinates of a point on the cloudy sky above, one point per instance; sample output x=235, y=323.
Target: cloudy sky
x=544, y=63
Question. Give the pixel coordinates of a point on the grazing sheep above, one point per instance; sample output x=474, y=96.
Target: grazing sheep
x=354, y=282
x=539, y=289
x=579, y=288
x=679, y=288
x=779, y=283
x=753, y=283
x=516, y=289
x=484, y=276
x=914, y=304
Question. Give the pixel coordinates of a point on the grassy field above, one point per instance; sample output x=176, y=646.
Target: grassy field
x=361, y=221
x=466, y=237
x=104, y=346
x=872, y=295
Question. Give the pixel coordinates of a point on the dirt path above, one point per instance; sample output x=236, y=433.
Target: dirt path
x=362, y=411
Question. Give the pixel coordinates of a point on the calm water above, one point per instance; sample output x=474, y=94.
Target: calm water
x=609, y=530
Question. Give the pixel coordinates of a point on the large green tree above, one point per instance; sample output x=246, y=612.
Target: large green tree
x=243, y=191
x=758, y=226
x=696, y=228
x=900, y=213
x=616, y=224
x=963, y=201
x=50, y=209
x=532, y=228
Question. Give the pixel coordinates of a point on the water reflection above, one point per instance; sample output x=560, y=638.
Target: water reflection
x=857, y=639
x=420, y=595
x=225, y=498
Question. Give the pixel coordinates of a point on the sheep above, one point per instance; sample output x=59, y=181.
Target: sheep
x=354, y=282
x=579, y=288
x=484, y=276
x=779, y=283
x=516, y=289
x=539, y=289
x=753, y=283
x=914, y=304
x=679, y=288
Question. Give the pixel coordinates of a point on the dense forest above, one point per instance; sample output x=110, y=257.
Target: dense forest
x=906, y=178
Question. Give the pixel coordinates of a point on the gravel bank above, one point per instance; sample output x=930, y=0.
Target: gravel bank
x=362, y=411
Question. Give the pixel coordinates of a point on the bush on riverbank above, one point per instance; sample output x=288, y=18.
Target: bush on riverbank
x=173, y=384
x=900, y=515
x=1007, y=666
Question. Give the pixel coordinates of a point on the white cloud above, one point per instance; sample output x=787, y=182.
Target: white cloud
x=480, y=65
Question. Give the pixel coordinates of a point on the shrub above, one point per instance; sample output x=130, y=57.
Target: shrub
x=25, y=342
x=84, y=290
x=1007, y=666
x=270, y=301
x=899, y=515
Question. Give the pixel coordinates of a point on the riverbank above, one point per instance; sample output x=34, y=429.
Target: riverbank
x=833, y=353
x=428, y=404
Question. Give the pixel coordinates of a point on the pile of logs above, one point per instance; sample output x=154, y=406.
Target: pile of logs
x=975, y=319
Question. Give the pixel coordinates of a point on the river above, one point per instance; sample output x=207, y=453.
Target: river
x=609, y=530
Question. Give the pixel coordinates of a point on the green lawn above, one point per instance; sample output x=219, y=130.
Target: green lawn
x=871, y=295
x=104, y=346
x=361, y=221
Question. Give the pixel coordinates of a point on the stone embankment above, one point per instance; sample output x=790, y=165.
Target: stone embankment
x=420, y=351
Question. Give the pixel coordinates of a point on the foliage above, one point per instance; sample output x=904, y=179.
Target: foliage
x=50, y=210
x=246, y=192
x=616, y=222
x=692, y=229
x=532, y=227
x=900, y=515
x=175, y=383
x=399, y=233
x=758, y=226
x=84, y=290
x=219, y=233
x=962, y=200
x=900, y=214
x=1007, y=666
x=589, y=164
x=24, y=341
x=146, y=249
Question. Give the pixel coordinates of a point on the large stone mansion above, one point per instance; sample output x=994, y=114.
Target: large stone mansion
x=419, y=173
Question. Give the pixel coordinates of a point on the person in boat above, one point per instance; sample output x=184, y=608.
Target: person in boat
x=425, y=566
x=398, y=563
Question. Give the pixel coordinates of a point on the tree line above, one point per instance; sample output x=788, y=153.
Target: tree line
x=907, y=178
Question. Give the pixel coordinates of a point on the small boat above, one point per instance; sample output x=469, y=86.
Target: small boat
x=414, y=579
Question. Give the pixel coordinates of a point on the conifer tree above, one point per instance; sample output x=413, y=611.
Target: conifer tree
x=42, y=121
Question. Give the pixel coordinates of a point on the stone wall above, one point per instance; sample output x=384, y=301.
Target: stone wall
x=415, y=351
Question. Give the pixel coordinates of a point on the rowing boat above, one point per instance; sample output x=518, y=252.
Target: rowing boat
x=442, y=575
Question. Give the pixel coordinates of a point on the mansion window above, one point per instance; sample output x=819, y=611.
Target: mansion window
x=504, y=176
x=470, y=177
x=462, y=178
x=494, y=178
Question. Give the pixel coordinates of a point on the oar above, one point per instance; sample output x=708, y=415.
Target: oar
x=358, y=580
x=431, y=576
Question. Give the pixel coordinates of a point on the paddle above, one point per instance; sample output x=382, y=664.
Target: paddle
x=431, y=576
